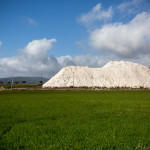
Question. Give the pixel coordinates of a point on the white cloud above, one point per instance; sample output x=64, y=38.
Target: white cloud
x=39, y=48
x=130, y=6
x=98, y=61
x=66, y=61
x=49, y=66
x=32, y=21
x=32, y=61
x=91, y=61
x=126, y=40
x=0, y=42
x=82, y=60
x=85, y=60
x=96, y=14
x=30, y=64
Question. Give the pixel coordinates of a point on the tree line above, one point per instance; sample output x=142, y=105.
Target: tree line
x=17, y=82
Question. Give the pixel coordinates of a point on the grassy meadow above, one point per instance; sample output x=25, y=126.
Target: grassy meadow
x=88, y=120
x=21, y=86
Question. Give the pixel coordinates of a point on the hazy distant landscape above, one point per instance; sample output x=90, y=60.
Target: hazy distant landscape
x=22, y=80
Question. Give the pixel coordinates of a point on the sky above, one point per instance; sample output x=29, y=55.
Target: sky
x=42, y=36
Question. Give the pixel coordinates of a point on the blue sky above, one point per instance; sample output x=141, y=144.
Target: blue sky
x=87, y=32
x=53, y=19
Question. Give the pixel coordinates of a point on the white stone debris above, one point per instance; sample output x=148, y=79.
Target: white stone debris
x=114, y=74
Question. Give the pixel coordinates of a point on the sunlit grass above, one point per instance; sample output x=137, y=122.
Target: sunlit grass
x=75, y=120
x=21, y=86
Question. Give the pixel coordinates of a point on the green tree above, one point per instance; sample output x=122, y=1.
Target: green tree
x=8, y=82
x=24, y=82
x=1, y=82
x=41, y=82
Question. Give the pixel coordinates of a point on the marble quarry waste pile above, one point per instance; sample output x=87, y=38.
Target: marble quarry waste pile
x=112, y=75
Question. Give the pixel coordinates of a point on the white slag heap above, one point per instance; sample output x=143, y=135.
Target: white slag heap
x=113, y=74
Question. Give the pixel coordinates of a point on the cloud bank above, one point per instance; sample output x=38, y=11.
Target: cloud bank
x=125, y=40
x=32, y=60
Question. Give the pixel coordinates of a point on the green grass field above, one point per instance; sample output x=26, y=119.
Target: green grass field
x=21, y=86
x=91, y=120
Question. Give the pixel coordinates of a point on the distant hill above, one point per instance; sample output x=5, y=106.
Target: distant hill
x=23, y=80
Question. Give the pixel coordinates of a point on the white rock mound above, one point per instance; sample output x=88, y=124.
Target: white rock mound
x=113, y=74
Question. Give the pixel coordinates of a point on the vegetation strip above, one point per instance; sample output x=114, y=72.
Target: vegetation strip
x=75, y=119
